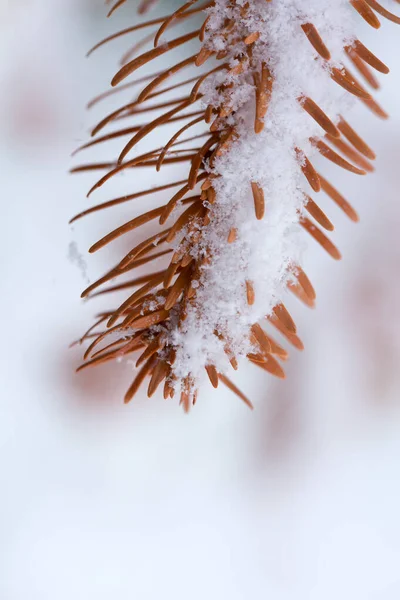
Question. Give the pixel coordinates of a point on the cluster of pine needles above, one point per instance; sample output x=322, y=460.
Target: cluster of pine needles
x=159, y=301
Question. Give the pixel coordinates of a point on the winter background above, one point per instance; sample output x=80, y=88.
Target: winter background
x=298, y=499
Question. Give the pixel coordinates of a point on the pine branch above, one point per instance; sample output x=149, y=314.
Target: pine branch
x=266, y=91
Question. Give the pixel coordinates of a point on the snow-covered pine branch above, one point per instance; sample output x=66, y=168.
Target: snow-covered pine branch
x=273, y=90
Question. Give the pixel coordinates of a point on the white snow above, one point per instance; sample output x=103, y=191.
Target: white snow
x=265, y=250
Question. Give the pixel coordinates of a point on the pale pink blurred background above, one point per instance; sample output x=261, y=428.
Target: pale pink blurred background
x=298, y=499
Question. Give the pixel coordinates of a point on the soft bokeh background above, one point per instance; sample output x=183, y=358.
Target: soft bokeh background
x=298, y=499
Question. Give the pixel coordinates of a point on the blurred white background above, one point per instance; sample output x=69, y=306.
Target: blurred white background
x=298, y=499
